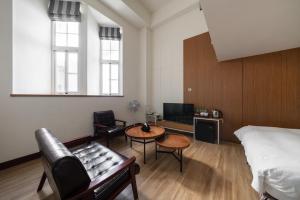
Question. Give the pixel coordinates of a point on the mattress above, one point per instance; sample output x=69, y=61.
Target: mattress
x=274, y=158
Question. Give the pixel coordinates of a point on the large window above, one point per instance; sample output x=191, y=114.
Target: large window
x=65, y=55
x=110, y=67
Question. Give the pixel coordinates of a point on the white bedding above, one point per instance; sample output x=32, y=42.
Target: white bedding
x=274, y=157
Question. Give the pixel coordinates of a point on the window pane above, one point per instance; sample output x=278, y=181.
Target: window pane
x=73, y=40
x=61, y=27
x=105, y=79
x=115, y=71
x=60, y=72
x=114, y=86
x=60, y=80
x=61, y=39
x=72, y=83
x=73, y=27
x=60, y=58
x=73, y=63
x=114, y=55
x=115, y=45
x=106, y=55
x=105, y=44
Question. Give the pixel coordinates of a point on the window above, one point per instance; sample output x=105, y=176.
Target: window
x=110, y=69
x=65, y=55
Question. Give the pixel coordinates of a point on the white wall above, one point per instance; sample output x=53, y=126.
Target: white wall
x=67, y=117
x=32, y=47
x=93, y=55
x=145, y=69
x=167, y=60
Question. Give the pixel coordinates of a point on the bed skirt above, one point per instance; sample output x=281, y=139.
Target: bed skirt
x=266, y=196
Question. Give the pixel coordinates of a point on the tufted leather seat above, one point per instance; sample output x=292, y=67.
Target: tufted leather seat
x=72, y=171
x=97, y=159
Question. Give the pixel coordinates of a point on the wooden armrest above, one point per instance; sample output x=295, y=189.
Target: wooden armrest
x=104, y=179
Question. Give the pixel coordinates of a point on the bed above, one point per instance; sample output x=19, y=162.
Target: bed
x=274, y=158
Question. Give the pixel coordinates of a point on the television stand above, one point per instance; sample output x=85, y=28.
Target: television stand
x=176, y=126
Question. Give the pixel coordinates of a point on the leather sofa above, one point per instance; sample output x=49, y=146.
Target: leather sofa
x=89, y=171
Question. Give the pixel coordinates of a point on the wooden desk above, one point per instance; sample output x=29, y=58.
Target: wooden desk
x=176, y=126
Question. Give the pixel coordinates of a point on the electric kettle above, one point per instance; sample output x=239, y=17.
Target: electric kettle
x=217, y=114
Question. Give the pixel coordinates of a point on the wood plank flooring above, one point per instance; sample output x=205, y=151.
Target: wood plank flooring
x=210, y=172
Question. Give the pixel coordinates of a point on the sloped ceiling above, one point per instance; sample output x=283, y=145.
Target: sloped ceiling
x=154, y=5
x=131, y=10
x=241, y=28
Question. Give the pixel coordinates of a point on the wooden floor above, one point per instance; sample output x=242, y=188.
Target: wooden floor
x=209, y=172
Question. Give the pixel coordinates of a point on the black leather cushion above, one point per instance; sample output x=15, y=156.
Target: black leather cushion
x=65, y=172
x=97, y=159
x=106, y=118
x=115, y=129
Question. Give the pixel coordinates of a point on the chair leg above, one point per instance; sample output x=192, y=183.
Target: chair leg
x=155, y=151
x=107, y=141
x=42, y=181
x=125, y=137
x=133, y=183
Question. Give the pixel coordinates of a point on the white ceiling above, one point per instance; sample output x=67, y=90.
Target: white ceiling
x=154, y=5
x=102, y=19
x=124, y=9
x=245, y=28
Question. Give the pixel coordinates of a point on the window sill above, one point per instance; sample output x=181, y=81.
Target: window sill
x=61, y=95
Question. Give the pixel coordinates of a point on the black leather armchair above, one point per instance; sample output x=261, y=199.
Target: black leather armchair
x=105, y=125
x=89, y=171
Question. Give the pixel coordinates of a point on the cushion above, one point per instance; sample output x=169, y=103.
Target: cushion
x=97, y=159
x=115, y=129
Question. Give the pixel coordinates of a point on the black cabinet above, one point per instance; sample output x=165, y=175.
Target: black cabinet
x=207, y=129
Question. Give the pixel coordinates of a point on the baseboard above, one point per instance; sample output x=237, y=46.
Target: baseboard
x=37, y=155
x=18, y=161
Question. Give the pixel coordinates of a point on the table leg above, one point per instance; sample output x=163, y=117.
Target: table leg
x=180, y=152
x=130, y=142
x=155, y=151
x=144, y=151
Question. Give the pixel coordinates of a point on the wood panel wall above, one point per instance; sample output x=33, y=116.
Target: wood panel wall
x=259, y=90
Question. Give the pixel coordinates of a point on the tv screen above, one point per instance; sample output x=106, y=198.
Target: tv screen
x=179, y=112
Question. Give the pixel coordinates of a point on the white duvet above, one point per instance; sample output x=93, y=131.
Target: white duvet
x=274, y=157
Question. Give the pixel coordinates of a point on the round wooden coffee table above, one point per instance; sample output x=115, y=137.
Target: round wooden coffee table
x=136, y=134
x=174, y=143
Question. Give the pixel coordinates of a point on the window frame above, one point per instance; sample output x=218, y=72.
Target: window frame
x=110, y=62
x=66, y=50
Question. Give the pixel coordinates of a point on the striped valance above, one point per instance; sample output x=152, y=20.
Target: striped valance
x=109, y=33
x=64, y=10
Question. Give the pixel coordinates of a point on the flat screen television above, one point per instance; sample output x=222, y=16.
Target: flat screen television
x=179, y=112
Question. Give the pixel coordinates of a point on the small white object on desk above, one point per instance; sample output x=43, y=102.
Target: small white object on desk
x=152, y=117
